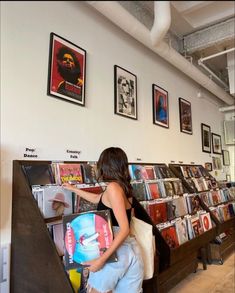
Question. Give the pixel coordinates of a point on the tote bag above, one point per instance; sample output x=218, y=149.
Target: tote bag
x=143, y=233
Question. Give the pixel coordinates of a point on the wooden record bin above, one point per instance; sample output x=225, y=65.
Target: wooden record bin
x=35, y=264
x=183, y=260
x=175, y=264
x=228, y=245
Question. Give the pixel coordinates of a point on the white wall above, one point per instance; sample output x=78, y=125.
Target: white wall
x=31, y=118
x=230, y=115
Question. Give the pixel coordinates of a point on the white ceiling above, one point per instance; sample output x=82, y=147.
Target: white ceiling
x=189, y=16
x=198, y=29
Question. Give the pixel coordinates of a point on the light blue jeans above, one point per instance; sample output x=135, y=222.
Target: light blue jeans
x=125, y=275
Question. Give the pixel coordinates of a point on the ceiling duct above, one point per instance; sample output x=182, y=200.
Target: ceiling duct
x=231, y=68
x=122, y=18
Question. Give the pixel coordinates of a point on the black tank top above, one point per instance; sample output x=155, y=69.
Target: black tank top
x=102, y=206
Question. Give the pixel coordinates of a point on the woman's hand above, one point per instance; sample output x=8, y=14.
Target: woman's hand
x=94, y=265
x=69, y=186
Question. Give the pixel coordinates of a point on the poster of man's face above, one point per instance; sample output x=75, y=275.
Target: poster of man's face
x=66, y=70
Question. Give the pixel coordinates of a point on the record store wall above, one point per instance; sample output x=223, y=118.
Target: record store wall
x=43, y=127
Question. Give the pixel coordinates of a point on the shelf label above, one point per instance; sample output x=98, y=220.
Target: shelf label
x=72, y=154
x=30, y=152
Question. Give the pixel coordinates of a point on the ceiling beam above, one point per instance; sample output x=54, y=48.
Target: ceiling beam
x=185, y=7
x=212, y=35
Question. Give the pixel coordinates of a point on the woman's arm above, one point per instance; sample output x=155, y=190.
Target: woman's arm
x=89, y=196
x=116, y=200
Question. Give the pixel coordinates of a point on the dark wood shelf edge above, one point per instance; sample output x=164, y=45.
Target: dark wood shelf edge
x=35, y=265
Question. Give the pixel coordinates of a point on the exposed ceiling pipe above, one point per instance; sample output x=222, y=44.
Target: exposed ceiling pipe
x=213, y=74
x=162, y=21
x=201, y=60
x=122, y=18
x=227, y=109
x=216, y=55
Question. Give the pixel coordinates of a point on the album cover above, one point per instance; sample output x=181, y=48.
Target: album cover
x=209, y=185
x=196, y=183
x=206, y=223
x=216, y=213
x=57, y=232
x=161, y=187
x=138, y=172
x=139, y=190
x=82, y=205
x=184, y=171
x=205, y=198
x=179, y=206
x=152, y=190
x=224, y=194
x=178, y=187
x=150, y=172
x=215, y=197
x=191, y=234
x=169, y=188
x=169, y=234
x=193, y=203
x=191, y=184
x=195, y=171
x=38, y=192
x=231, y=208
x=170, y=210
x=197, y=228
x=165, y=172
x=214, y=183
x=89, y=173
x=157, y=172
x=224, y=212
x=57, y=201
x=39, y=174
x=202, y=184
x=158, y=212
x=71, y=173
x=203, y=171
x=181, y=230
x=87, y=236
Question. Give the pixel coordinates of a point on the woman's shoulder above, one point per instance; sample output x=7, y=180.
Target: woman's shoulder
x=114, y=188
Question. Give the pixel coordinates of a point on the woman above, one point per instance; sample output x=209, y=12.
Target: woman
x=127, y=273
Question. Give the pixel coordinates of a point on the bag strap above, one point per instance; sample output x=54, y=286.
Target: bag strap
x=132, y=208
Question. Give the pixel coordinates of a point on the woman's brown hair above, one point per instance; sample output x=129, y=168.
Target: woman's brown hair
x=113, y=166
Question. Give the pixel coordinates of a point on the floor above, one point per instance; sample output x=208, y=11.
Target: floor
x=216, y=279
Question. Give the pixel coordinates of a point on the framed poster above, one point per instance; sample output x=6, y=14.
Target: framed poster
x=208, y=166
x=216, y=163
x=160, y=106
x=216, y=144
x=67, y=67
x=125, y=93
x=206, y=138
x=226, y=158
x=185, y=116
